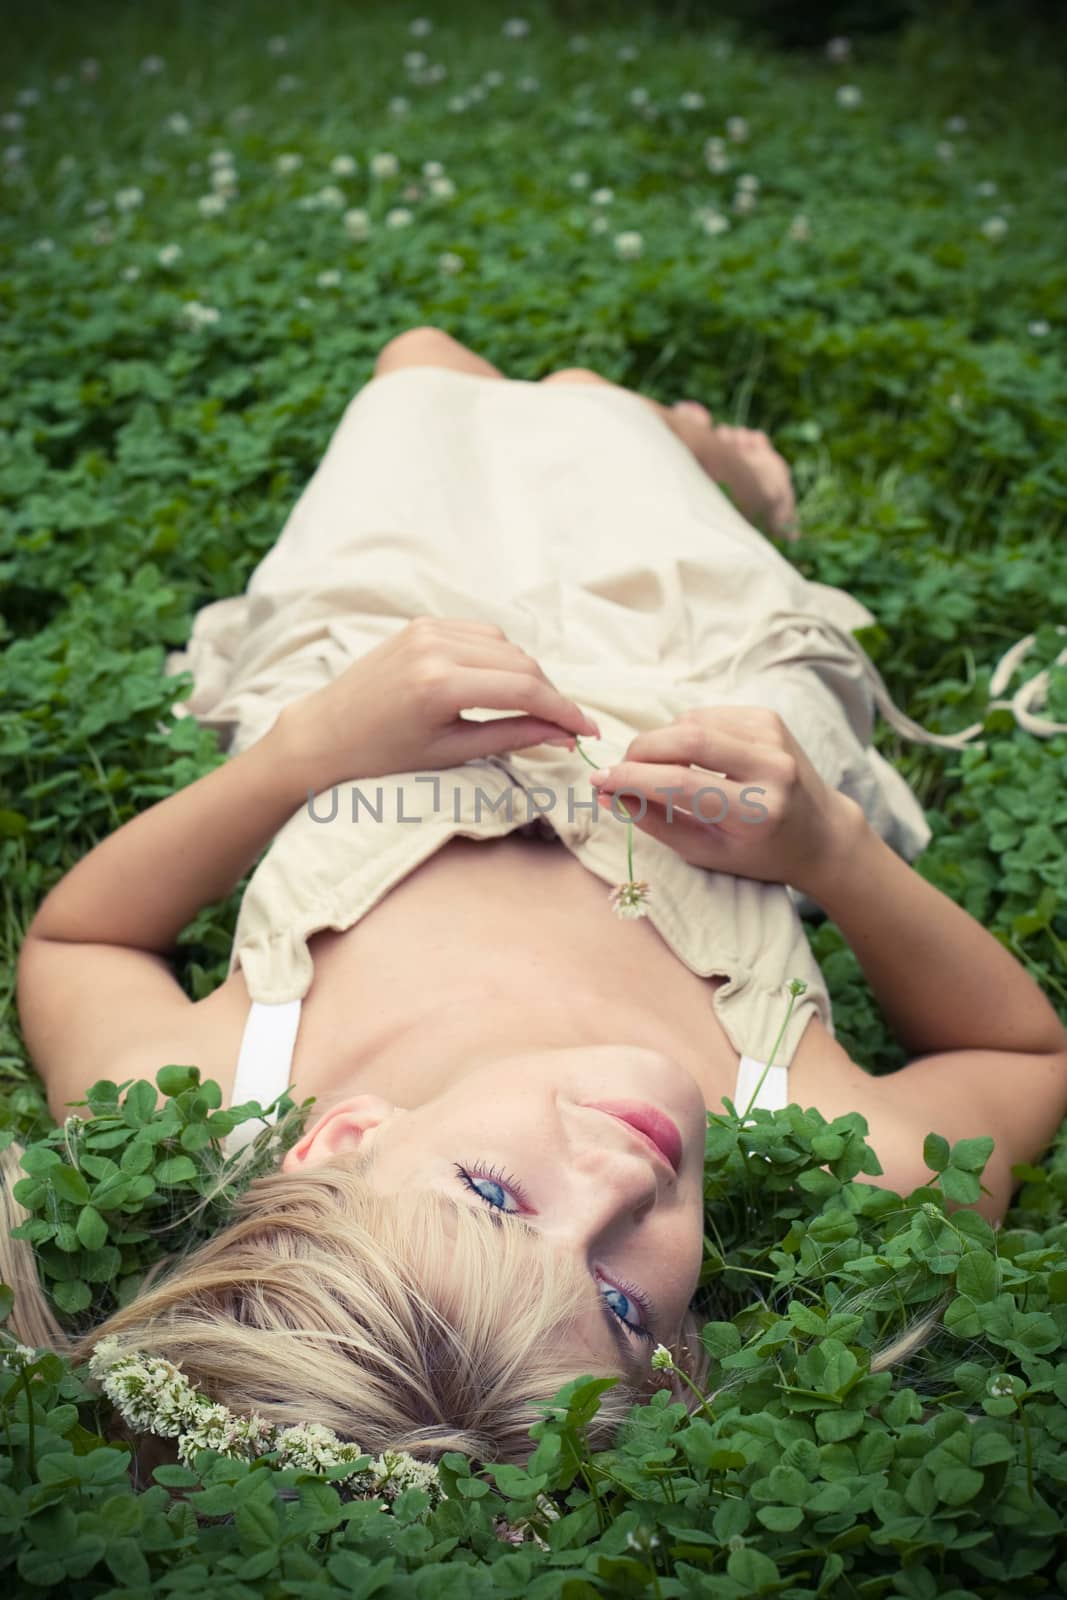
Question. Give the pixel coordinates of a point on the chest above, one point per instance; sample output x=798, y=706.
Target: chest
x=480, y=907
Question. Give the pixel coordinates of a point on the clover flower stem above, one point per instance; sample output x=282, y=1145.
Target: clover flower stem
x=626, y=814
x=797, y=986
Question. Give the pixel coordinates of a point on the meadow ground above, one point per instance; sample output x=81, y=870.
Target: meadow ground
x=213, y=218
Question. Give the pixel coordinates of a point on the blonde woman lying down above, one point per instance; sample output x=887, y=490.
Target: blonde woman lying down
x=481, y=572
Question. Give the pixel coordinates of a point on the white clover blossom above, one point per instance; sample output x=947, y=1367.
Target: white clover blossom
x=691, y=100
x=1038, y=328
x=211, y=205
x=849, y=96
x=357, y=223
x=153, y=1395
x=344, y=166
x=451, y=263
x=639, y=97
x=432, y=169
x=662, y=1360
x=515, y=28
x=169, y=255
x=799, y=229
x=442, y=188
x=630, y=900
x=579, y=180
x=956, y=124
x=748, y=181
x=384, y=165
x=414, y=59
x=12, y=121
x=994, y=227
x=399, y=106
x=599, y=224
x=89, y=69
x=288, y=161
x=289, y=82
x=629, y=245
x=986, y=189
x=395, y=1470
x=421, y=27
x=945, y=149
x=152, y=65
x=399, y=217
x=277, y=45
x=602, y=197
x=712, y=221
x=178, y=122
x=839, y=48
x=199, y=316
x=744, y=202
x=46, y=246
x=736, y=129
x=626, y=52
x=129, y=199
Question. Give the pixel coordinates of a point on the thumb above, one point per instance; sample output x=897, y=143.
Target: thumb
x=493, y=738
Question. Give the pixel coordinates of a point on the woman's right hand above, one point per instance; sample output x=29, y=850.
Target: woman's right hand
x=399, y=707
x=730, y=789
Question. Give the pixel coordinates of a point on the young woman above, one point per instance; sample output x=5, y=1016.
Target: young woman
x=483, y=579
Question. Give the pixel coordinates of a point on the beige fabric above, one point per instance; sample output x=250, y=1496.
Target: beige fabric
x=573, y=518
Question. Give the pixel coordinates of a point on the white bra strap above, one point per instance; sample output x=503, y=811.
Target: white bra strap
x=774, y=1094
x=264, y=1062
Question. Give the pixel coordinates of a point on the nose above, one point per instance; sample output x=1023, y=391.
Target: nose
x=612, y=1191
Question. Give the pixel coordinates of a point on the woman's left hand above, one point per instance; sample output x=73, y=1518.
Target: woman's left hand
x=398, y=708
x=746, y=799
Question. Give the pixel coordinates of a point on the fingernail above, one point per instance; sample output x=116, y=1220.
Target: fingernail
x=593, y=729
x=601, y=775
x=569, y=741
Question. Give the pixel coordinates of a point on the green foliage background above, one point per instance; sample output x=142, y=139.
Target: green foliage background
x=908, y=360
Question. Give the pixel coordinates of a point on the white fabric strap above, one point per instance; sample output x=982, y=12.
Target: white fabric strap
x=774, y=1095
x=264, y=1062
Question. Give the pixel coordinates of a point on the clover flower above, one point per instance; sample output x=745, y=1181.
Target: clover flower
x=662, y=1360
x=630, y=900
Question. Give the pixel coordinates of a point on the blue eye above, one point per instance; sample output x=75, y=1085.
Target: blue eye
x=624, y=1299
x=494, y=1188
x=500, y=1186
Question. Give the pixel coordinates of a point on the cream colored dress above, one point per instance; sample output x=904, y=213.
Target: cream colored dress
x=574, y=519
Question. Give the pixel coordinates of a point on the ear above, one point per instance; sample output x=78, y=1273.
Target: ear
x=339, y=1131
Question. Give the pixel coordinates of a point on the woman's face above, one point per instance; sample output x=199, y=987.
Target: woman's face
x=522, y=1136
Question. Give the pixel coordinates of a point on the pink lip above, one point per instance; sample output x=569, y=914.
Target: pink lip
x=657, y=1129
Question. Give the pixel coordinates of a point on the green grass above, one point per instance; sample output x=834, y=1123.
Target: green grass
x=909, y=364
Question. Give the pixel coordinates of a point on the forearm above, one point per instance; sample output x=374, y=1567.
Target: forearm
x=144, y=883
x=942, y=981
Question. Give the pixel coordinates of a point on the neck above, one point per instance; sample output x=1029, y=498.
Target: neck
x=450, y=1031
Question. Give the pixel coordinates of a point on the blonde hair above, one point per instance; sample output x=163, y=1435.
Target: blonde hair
x=403, y=1322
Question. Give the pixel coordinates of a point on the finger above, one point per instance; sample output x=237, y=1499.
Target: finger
x=695, y=842
x=711, y=802
x=461, y=624
x=469, y=740
x=468, y=687
x=741, y=757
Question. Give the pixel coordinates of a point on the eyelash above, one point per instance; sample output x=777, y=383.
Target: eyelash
x=506, y=1181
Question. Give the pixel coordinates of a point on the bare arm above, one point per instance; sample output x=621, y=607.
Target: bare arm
x=943, y=982
x=144, y=883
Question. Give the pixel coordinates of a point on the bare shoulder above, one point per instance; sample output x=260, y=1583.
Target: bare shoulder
x=901, y=1108
x=208, y=1036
